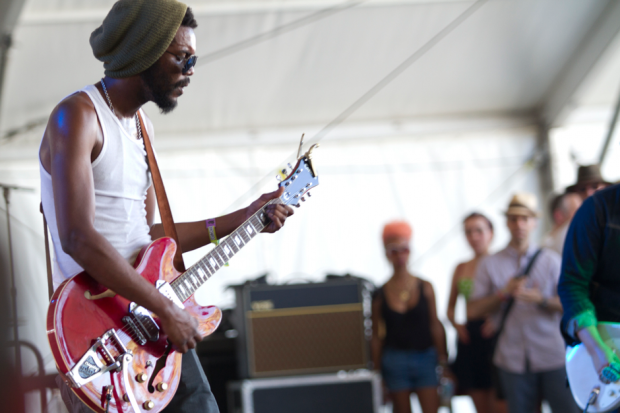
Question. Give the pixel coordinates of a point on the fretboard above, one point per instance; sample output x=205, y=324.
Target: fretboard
x=186, y=284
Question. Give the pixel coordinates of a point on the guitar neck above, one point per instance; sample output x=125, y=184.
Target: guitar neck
x=186, y=284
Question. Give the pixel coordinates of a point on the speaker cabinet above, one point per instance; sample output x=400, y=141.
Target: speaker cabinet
x=303, y=328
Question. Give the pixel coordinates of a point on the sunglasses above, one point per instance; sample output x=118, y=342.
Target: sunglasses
x=189, y=62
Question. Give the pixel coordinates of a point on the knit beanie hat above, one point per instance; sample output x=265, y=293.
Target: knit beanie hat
x=135, y=34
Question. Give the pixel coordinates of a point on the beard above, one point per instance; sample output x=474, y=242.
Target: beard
x=160, y=88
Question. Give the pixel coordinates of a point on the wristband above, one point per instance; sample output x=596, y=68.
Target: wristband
x=211, y=228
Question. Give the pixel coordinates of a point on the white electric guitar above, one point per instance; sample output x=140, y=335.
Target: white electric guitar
x=583, y=378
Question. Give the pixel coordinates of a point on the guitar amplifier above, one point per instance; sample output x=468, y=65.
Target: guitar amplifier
x=358, y=392
x=303, y=328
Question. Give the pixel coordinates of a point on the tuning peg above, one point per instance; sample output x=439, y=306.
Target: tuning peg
x=308, y=193
x=296, y=205
x=284, y=171
x=278, y=178
x=290, y=166
x=303, y=199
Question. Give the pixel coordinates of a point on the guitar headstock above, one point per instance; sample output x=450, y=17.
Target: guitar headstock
x=302, y=178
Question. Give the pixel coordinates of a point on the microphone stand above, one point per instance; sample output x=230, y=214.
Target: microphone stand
x=6, y=189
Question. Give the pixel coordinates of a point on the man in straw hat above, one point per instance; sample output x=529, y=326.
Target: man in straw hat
x=589, y=284
x=589, y=180
x=95, y=183
x=517, y=287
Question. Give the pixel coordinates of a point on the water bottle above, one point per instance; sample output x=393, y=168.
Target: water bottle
x=446, y=391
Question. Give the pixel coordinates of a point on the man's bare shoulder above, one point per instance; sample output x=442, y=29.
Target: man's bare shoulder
x=76, y=108
x=72, y=124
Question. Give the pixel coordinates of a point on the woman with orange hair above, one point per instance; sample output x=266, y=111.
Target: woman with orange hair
x=408, y=340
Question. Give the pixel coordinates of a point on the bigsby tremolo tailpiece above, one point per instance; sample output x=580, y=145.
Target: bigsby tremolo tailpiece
x=98, y=360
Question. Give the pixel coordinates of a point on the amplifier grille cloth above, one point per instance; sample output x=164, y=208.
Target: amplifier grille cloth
x=309, y=341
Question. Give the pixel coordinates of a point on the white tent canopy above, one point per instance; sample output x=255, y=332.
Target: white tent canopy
x=461, y=128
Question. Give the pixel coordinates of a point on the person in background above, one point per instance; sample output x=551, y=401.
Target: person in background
x=563, y=207
x=589, y=181
x=529, y=353
x=408, y=340
x=472, y=367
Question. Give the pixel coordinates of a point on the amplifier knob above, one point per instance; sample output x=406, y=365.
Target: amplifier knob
x=162, y=387
x=148, y=405
x=141, y=378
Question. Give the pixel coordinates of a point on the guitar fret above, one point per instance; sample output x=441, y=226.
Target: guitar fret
x=189, y=285
x=208, y=266
x=203, y=266
x=238, y=241
x=227, y=250
x=183, y=292
x=231, y=244
x=256, y=222
x=176, y=290
x=217, y=257
x=250, y=229
x=244, y=235
x=201, y=274
x=212, y=261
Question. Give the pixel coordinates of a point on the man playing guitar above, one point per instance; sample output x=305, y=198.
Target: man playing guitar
x=589, y=285
x=96, y=189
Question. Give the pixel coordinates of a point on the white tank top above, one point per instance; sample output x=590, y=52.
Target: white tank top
x=121, y=179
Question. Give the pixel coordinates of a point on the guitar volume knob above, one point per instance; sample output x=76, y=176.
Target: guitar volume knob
x=161, y=387
x=148, y=405
x=141, y=378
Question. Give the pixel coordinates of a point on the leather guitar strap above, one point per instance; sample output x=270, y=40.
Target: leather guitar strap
x=48, y=260
x=162, y=199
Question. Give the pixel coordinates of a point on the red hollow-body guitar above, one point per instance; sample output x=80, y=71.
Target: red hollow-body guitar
x=112, y=352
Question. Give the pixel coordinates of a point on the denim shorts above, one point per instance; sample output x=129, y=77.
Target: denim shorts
x=409, y=369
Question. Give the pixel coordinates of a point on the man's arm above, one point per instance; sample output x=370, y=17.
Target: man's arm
x=71, y=135
x=193, y=235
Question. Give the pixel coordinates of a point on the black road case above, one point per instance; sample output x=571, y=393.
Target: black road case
x=342, y=392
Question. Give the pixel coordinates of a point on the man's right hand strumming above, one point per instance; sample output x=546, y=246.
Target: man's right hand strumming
x=181, y=328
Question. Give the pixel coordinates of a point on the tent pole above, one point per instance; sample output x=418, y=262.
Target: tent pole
x=5, y=45
x=9, y=13
x=545, y=172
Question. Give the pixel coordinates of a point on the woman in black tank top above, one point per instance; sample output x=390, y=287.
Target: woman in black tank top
x=408, y=341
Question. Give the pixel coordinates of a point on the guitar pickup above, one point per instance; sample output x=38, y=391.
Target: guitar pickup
x=142, y=324
x=97, y=360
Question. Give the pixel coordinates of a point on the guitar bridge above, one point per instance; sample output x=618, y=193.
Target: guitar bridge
x=98, y=360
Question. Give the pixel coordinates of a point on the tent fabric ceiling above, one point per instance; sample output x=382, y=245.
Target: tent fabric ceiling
x=502, y=60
